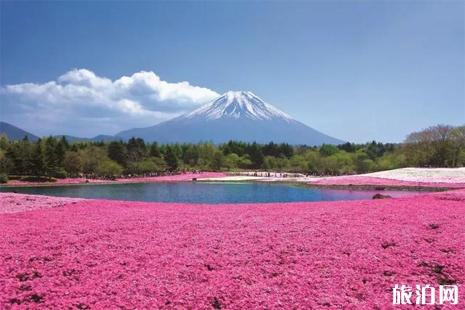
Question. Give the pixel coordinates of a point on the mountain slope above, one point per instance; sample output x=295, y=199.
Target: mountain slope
x=15, y=133
x=99, y=138
x=234, y=116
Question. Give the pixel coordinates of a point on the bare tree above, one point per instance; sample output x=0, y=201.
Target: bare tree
x=439, y=146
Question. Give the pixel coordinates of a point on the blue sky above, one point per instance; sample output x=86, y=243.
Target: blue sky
x=356, y=70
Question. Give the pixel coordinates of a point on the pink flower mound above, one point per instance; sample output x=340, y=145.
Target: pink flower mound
x=110, y=254
x=374, y=181
x=11, y=203
x=167, y=178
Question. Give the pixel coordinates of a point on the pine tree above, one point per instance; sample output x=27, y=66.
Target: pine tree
x=38, y=161
x=171, y=159
x=136, y=149
x=60, y=151
x=155, y=150
x=117, y=152
x=256, y=155
x=50, y=157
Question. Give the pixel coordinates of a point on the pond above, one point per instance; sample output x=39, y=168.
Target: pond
x=203, y=192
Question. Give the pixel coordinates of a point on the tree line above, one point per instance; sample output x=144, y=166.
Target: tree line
x=52, y=157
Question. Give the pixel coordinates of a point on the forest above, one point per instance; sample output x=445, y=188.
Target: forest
x=54, y=157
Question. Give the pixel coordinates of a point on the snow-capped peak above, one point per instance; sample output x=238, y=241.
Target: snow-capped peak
x=238, y=104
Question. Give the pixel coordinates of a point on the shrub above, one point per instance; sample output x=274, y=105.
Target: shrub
x=60, y=174
x=37, y=179
x=109, y=168
x=3, y=178
x=72, y=163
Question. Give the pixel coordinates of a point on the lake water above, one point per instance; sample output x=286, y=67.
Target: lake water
x=200, y=192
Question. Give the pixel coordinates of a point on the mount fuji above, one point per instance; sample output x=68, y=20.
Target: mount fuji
x=236, y=115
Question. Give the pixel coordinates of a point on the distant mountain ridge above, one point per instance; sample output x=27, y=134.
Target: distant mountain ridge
x=16, y=133
x=98, y=138
x=236, y=115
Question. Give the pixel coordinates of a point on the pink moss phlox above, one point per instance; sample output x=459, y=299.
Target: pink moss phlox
x=359, y=180
x=333, y=255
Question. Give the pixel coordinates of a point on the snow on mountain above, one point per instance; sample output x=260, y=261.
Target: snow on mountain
x=237, y=104
x=236, y=115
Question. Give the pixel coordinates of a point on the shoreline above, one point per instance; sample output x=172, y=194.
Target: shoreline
x=371, y=187
x=405, y=179
x=411, y=187
x=185, y=177
x=426, y=189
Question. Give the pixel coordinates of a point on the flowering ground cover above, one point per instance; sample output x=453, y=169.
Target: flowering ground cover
x=444, y=175
x=12, y=203
x=361, y=180
x=105, y=254
x=166, y=178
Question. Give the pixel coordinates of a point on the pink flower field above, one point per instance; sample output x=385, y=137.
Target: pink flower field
x=360, y=180
x=96, y=254
x=12, y=203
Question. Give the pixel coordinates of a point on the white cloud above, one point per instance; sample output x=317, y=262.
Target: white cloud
x=81, y=103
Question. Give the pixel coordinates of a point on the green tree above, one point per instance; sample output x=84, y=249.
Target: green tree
x=148, y=165
x=117, y=152
x=109, y=168
x=155, y=150
x=314, y=161
x=60, y=151
x=375, y=150
x=297, y=163
x=191, y=155
x=171, y=159
x=91, y=156
x=5, y=163
x=234, y=147
x=348, y=147
x=72, y=163
x=50, y=156
x=269, y=163
x=433, y=146
x=244, y=162
x=38, y=160
x=363, y=163
x=256, y=155
x=217, y=161
x=136, y=149
x=328, y=150
x=4, y=142
x=15, y=155
x=231, y=161
x=160, y=163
